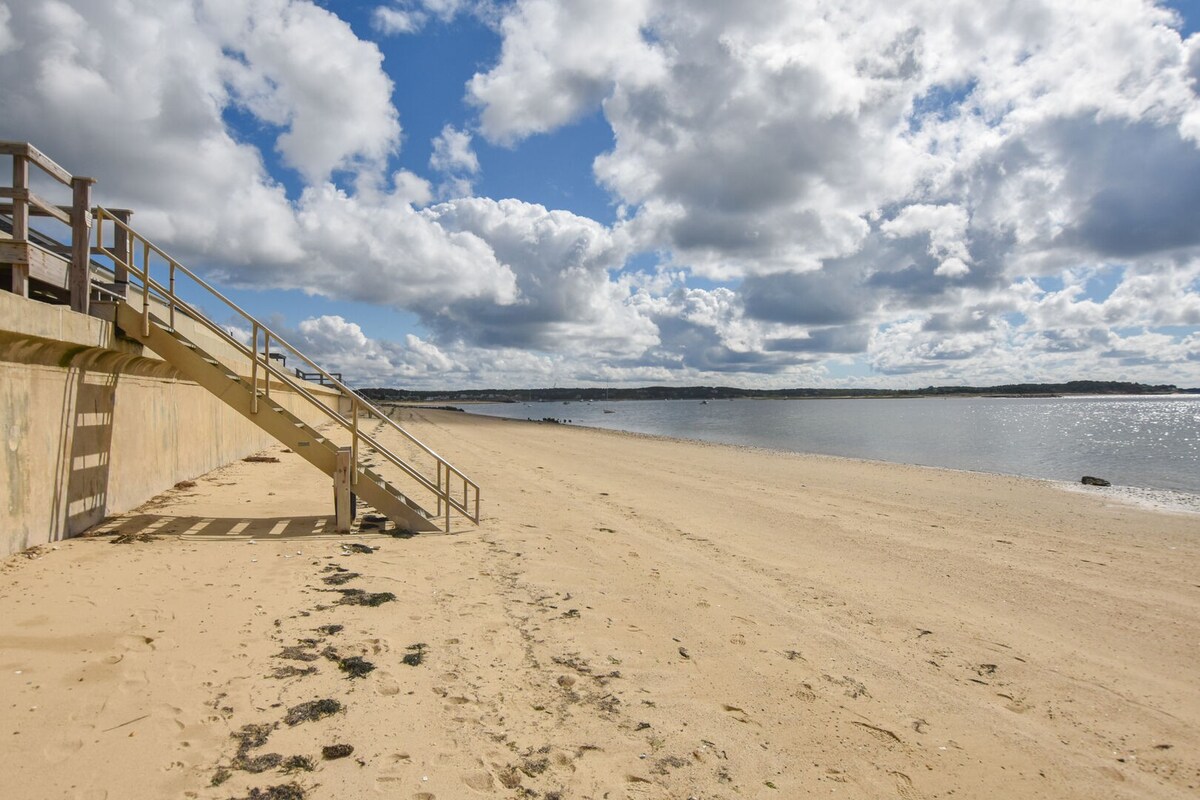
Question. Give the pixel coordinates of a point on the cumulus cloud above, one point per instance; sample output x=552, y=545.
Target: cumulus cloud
x=922, y=188
x=155, y=78
x=456, y=160
x=7, y=40
x=410, y=16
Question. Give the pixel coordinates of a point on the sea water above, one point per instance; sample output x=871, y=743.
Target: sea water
x=1146, y=442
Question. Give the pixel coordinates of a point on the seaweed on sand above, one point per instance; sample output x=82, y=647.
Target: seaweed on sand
x=287, y=791
x=357, y=597
x=355, y=666
x=298, y=764
x=312, y=710
x=333, y=751
x=340, y=578
x=251, y=736
x=416, y=654
x=292, y=672
x=130, y=538
x=298, y=652
x=257, y=764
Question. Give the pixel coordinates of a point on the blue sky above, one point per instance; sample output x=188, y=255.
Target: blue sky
x=522, y=192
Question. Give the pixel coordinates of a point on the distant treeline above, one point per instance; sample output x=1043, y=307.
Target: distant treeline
x=730, y=392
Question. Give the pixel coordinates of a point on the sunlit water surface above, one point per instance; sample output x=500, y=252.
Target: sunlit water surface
x=1146, y=442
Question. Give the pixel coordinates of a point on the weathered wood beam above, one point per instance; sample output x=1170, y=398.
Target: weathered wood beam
x=24, y=150
x=19, y=283
x=81, y=253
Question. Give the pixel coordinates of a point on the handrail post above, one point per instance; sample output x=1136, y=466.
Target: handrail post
x=354, y=438
x=122, y=246
x=80, y=272
x=171, y=293
x=447, y=498
x=267, y=361
x=254, y=370
x=20, y=221
x=439, y=488
x=145, y=286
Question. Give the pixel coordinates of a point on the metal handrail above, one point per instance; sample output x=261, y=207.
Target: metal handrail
x=357, y=401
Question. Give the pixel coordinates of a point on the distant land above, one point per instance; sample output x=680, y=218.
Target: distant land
x=386, y=395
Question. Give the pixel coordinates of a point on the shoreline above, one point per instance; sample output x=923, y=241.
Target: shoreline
x=637, y=617
x=1170, y=501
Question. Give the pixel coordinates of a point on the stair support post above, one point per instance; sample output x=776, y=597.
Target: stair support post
x=354, y=435
x=254, y=369
x=145, y=288
x=20, y=221
x=267, y=362
x=341, y=491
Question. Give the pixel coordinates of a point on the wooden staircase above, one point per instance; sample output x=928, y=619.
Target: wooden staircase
x=197, y=365
x=244, y=376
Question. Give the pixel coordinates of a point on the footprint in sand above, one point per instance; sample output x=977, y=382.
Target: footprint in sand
x=387, y=686
x=905, y=788
x=479, y=781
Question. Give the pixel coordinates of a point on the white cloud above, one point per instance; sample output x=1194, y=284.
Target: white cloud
x=456, y=160
x=7, y=40
x=394, y=21
x=410, y=16
x=880, y=183
x=452, y=152
x=558, y=61
x=298, y=66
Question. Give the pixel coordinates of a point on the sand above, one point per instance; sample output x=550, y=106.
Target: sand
x=635, y=618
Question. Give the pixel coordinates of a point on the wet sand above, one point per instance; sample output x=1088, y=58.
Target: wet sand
x=636, y=617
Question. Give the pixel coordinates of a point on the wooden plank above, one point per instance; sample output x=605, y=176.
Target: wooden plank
x=19, y=282
x=81, y=226
x=44, y=208
x=47, y=267
x=34, y=211
x=341, y=490
x=34, y=262
x=24, y=150
x=20, y=208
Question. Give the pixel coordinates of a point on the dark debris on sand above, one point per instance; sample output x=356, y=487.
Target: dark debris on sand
x=416, y=654
x=287, y=791
x=251, y=736
x=298, y=764
x=340, y=578
x=331, y=752
x=355, y=547
x=357, y=597
x=130, y=538
x=298, y=652
x=257, y=764
x=312, y=710
x=330, y=630
x=355, y=666
x=292, y=672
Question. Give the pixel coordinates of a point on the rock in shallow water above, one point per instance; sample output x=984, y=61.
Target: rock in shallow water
x=1090, y=481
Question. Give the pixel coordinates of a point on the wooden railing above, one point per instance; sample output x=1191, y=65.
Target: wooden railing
x=125, y=260
x=22, y=253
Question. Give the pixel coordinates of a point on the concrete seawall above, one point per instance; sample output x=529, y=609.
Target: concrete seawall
x=92, y=425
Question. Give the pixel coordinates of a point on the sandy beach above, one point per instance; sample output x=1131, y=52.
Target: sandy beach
x=635, y=618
